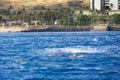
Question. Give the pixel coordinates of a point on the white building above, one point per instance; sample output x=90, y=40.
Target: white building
x=107, y=4
x=114, y=4
x=96, y=4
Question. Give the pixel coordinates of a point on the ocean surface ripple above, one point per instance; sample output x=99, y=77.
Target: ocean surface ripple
x=60, y=56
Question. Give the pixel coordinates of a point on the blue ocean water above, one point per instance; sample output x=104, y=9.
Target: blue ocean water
x=60, y=56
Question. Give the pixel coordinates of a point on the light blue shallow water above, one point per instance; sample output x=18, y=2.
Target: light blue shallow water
x=60, y=56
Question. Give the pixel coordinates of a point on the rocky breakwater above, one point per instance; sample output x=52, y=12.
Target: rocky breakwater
x=113, y=28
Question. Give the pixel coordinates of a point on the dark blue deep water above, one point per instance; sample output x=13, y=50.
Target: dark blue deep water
x=60, y=56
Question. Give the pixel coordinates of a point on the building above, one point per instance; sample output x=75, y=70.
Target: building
x=106, y=4
x=96, y=4
x=112, y=4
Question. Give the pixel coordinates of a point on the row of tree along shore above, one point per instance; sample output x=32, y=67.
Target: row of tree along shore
x=72, y=17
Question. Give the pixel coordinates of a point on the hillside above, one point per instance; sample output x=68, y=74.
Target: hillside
x=30, y=3
x=19, y=3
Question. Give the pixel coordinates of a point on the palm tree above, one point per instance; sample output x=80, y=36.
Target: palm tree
x=10, y=13
x=23, y=11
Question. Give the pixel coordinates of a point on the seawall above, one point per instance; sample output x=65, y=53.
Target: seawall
x=58, y=28
x=99, y=27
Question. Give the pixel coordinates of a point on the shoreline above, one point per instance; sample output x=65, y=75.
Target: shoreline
x=55, y=28
x=11, y=29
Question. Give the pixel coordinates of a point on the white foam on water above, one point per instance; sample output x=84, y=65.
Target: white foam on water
x=90, y=68
x=82, y=49
x=22, y=67
x=95, y=39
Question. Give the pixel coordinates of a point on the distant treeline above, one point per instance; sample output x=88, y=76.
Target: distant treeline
x=64, y=15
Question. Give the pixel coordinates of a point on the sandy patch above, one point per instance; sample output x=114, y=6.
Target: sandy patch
x=11, y=28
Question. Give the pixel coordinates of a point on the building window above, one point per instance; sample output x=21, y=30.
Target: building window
x=107, y=0
x=119, y=7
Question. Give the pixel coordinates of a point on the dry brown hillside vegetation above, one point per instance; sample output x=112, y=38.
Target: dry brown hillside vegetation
x=30, y=3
